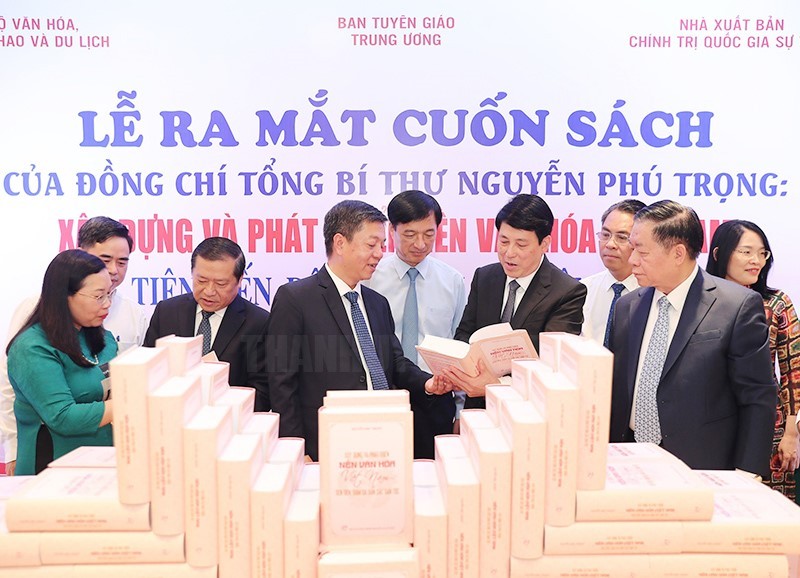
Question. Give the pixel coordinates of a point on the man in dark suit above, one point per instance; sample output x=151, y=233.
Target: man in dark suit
x=523, y=288
x=692, y=368
x=319, y=338
x=234, y=328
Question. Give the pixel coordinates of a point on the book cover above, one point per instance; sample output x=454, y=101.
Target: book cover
x=184, y=352
x=647, y=490
x=301, y=535
x=290, y=451
x=588, y=566
x=395, y=563
x=719, y=566
x=175, y=570
x=213, y=378
x=110, y=548
x=496, y=345
x=366, y=456
x=589, y=365
x=265, y=424
x=87, y=457
x=241, y=400
x=430, y=521
x=134, y=374
x=237, y=469
x=269, y=502
x=17, y=548
x=461, y=493
x=526, y=431
x=613, y=538
x=497, y=395
x=365, y=397
x=550, y=343
x=555, y=398
x=171, y=406
x=204, y=439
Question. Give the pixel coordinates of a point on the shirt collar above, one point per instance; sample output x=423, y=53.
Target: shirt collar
x=401, y=267
x=677, y=297
x=341, y=286
x=525, y=281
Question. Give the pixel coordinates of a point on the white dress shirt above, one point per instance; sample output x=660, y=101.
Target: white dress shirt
x=599, y=295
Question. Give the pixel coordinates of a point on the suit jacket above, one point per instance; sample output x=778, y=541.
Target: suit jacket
x=240, y=340
x=717, y=396
x=312, y=349
x=552, y=302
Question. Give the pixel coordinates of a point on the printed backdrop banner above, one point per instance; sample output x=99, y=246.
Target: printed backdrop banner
x=251, y=119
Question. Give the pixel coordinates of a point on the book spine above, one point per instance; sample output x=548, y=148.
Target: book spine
x=110, y=548
x=613, y=538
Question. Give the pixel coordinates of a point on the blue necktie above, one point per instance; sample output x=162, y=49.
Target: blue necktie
x=374, y=366
x=646, y=422
x=618, y=289
x=204, y=329
x=411, y=317
x=508, y=310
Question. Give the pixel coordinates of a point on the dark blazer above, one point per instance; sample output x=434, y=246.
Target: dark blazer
x=717, y=395
x=312, y=349
x=552, y=302
x=240, y=339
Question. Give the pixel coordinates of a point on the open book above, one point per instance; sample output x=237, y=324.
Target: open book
x=496, y=345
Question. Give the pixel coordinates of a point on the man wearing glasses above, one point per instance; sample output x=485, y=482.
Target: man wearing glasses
x=607, y=286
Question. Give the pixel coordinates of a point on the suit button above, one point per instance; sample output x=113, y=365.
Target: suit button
x=362, y=379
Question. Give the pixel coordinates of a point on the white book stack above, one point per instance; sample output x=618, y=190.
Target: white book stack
x=490, y=455
x=302, y=527
x=74, y=500
x=349, y=397
x=170, y=407
x=639, y=452
x=174, y=570
x=204, y=439
x=290, y=451
x=614, y=538
x=597, y=566
x=430, y=521
x=461, y=492
x=755, y=520
x=265, y=424
x=496, y=395
x=184, y=352
x=556, y=399
x=241, y=400
x=213, y=377
x=526, y=431
x=366, y=452
x=719, y=566
x=87, y=457
x=646, y=490
x=590, y=366
x=550, y=343
x=134, y=374
x=269, y=503
x=110, y=548
x=17, y=548
x=396, y=563
x=237, y=469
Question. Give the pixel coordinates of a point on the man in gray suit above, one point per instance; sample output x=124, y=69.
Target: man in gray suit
x=692, y=368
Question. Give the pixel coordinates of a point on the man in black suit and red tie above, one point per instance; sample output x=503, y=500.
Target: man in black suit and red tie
x=523, y=288
x=233, y=328
x=329, y=332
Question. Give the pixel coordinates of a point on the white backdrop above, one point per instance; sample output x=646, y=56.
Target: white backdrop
x=695, y=101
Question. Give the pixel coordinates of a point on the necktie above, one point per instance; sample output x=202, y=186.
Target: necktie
x=618, y=288
x=648, y=428
x=508, y=310
x=374, y=367
x=204, y=329
x=411, y=317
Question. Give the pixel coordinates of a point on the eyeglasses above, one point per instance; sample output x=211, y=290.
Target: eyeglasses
x=619, y=238
x=748, y=253
x=101, y=299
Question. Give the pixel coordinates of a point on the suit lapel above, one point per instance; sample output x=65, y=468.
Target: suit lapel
x=495, y=287
x=187, y=314
x=537, y=290
x=640, y=311
x=231, y=322
x=336, y=307
x=698, y=302
x=375, y=322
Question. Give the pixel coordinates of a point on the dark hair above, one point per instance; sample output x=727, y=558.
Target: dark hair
x=346, y=218
x=628, y=206
x=410, y=206
x=218, y=249
x=723, y=244
x=65, y=277
x=101, y=229
x=674, y=223
x=527, y=212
